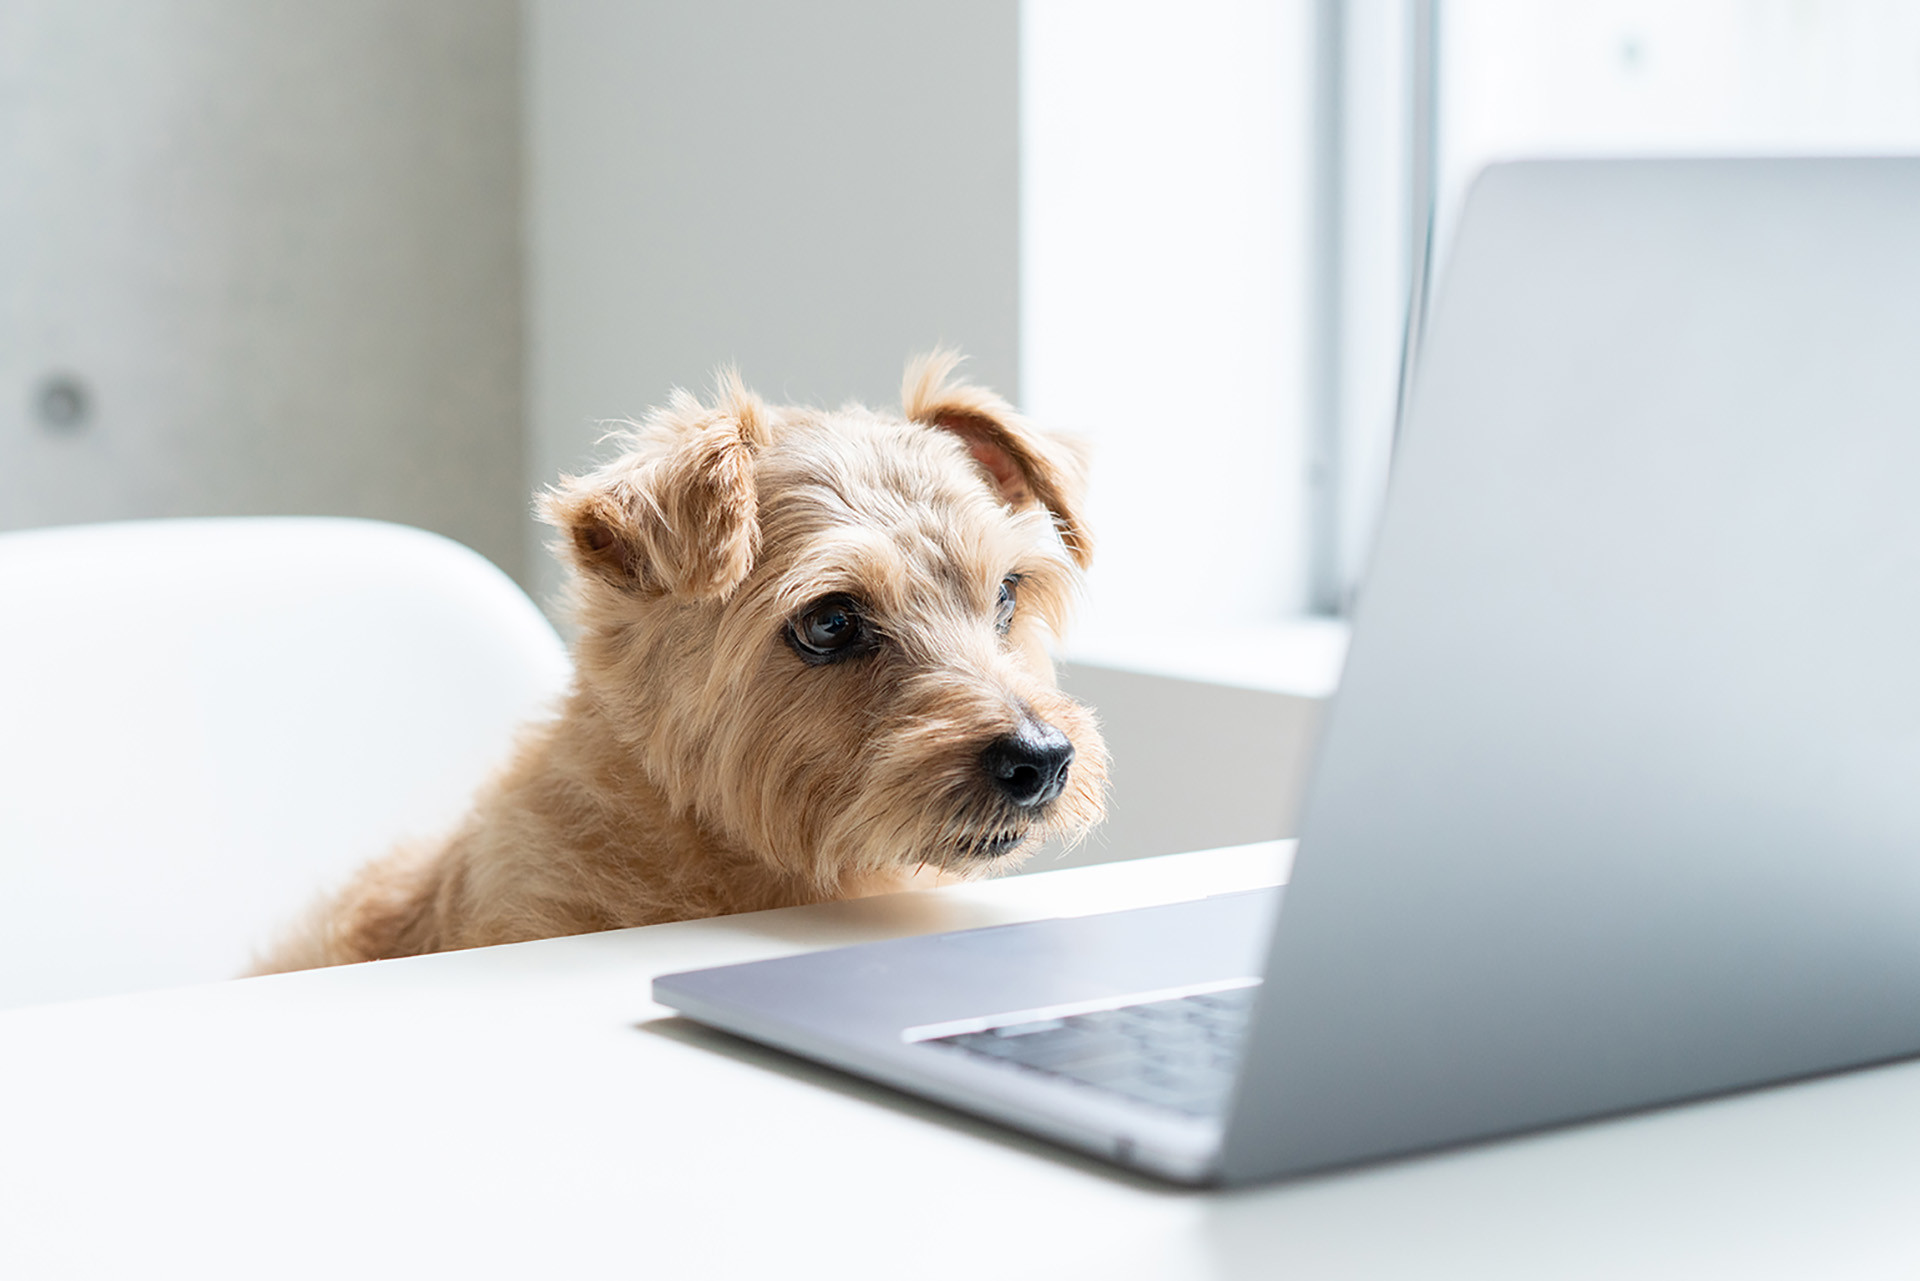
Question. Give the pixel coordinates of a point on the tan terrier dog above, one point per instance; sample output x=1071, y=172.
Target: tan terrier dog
x=812, y=661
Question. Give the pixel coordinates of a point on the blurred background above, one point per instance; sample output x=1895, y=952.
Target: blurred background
x=403, y=258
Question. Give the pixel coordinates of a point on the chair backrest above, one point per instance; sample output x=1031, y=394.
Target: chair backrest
x=205, y=723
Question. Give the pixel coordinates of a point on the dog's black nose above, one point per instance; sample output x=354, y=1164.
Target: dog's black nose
x=1029, y=766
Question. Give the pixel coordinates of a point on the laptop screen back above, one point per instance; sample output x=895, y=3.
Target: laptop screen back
x=1620, y=799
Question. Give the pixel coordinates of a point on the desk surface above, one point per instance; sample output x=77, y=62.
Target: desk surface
x=527, y=1111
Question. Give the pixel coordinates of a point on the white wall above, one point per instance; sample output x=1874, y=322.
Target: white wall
x=279, y=243
x=813, y=191
x=1166, y=202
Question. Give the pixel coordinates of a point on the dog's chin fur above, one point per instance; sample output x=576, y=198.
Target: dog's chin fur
x=703, y=763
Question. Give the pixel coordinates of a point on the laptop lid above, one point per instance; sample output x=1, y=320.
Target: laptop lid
x=1619, y=802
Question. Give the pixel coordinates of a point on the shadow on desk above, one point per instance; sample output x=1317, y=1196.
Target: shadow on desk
x=687, y=1032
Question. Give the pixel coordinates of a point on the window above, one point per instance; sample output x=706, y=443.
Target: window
x=1225, y=211
x=1710, y=77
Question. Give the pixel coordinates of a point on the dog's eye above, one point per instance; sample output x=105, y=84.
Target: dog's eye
x=830, y=629
x=1003, y=612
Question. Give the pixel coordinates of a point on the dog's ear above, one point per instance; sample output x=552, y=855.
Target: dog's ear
x=1027, y=466
x=678, y=513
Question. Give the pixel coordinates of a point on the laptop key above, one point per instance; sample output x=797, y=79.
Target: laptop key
x=1177, y=1054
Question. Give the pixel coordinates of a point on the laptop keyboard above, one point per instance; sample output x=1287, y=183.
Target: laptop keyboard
x=1178, y=1053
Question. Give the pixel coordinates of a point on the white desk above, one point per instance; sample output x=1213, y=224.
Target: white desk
x=527, y=1111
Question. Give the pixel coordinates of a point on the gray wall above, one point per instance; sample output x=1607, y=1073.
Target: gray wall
x=813, y=191
x=279, y=243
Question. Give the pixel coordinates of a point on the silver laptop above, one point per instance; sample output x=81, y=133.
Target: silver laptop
x=1619, y=803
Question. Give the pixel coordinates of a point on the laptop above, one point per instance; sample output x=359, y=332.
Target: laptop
x=1619, y=801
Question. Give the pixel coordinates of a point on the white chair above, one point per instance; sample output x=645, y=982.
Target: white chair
x=203, y=723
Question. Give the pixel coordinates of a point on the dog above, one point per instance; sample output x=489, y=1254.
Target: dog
x=812, y=662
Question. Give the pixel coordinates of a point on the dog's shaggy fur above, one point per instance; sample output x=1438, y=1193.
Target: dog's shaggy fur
x=812, y=662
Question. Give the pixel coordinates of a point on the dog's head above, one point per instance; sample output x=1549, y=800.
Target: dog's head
x=825, y=634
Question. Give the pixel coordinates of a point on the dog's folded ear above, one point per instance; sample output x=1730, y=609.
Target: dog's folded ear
x=678, y=513
x=1027, y=466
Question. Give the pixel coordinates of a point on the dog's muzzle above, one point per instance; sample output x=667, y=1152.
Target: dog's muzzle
x=1029, y=766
